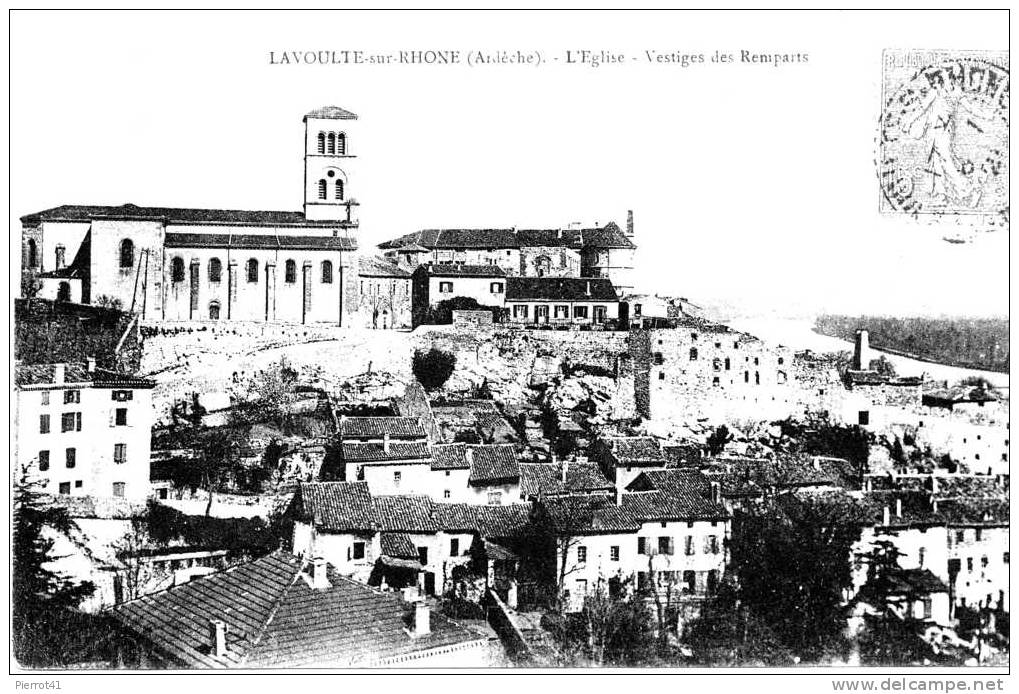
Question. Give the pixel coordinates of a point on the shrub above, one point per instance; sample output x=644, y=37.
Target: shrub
x=433, y=368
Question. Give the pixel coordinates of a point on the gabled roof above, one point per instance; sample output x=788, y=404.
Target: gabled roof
x=331, y=112
x=560, y=289
x=373, y=266
x=175, y=215
x=260, y=241
x=337, y=506
x=663, y=506
x=634, y=451
x=356, y=452
x=588, y=515
x=79, y=375
x=543, y=479
x=378, y=427
x=492, y=463
x=450, y=456
x=450, y=270
x=275, y=618
x=405, y=513
x=398, y=545
x=609, y=236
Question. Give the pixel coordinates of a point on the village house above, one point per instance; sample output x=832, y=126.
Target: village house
x=384, y=293
x=566, y=478
x=284, y=611
x=551, y=301
x=83, y=430
x=206, y=264
x=475, y=474
x=433, y=284
x=624, y=458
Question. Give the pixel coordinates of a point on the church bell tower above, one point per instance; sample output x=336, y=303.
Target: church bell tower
x=329, y=164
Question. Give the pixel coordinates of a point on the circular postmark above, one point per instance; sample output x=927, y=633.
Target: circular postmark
x=943, y=147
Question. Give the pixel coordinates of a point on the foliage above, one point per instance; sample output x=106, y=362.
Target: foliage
x=433, y=368
x=818, y=436
x=274, y=393
x=333, y=468
x=728, y=633
x=883, y=366
x=251, y=535
x=442, y=312
x=792, y=564
x=898, y=454
x=112, y=302
x=717, y=440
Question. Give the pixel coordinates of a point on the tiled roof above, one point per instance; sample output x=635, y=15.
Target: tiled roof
x=751, y=476
x=449, y=270
x=609, y=236
x=355, y=452
x=903, y=582
x=260, y=241
x=664, y=506
x=493, y=463
x=455, y=517
x=918, y=510
x=560, y=289
x=175, y=215
x=588, y=515
x=408, y=514
x=337, y=506
x=546, y=479
x=958, y=394
x=377, y=427
x=687, y=454
x=510, y=521
x=398, y=545
x=372, y=266
x=332, y=112
x=450, y=456
x=78, y=373
x=630, y=451
x=868, y=377
x=275, y=618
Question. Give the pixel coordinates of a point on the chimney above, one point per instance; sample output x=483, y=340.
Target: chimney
x=58, y=373
x=619, y=495
x=385, y=443
x=817, y=463
x=716, y=492
x=217, y=637
x=886, y=517
x=934, y=505
x=629, y=224
x=469, y=456
x=587, y=290
x=566, y=467
x=91, y=362
x=422, y=619
x=319, y=579
x=898, y=508
x=861, y=355
x=868, y=484
x=934, y=484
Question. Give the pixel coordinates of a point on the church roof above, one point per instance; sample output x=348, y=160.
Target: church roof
x=275, y=241
x=331, y=112
x=176, y=215
x=609, y=236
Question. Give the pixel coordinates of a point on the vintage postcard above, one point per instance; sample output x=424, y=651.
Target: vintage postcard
x=510, y=342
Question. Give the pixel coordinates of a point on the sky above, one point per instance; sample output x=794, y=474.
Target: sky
x=753, y=186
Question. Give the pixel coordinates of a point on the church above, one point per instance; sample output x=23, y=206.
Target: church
x=166, y=263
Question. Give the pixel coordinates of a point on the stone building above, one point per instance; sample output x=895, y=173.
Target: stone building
x=168, y=263
x=436, y=283
x=384, y=293
x=561, y=301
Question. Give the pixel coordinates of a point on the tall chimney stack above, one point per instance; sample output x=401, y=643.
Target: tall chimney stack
x=716, y=492
x=422, y=619
x=217, y=637
x=385, y=443
x=629, y=224
x=319, y=579
x=886, y=516
x=566, y=467
x=58, y=373
x=898, y=507
x=91, y=363
x=861, y=355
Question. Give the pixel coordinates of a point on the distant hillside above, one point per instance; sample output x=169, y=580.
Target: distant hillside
x=48, y=332
x=975, y=343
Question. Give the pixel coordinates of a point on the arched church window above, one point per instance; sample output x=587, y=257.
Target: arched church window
x=341, y=144
x=339, y=189
x=327, y=272
x=215, y=270
x=33, y=253
x=127, y=253
x=291, y=272
x=214, y=310
x=321, y=143
x=177, y=270
x=252, y=270
x=322, y=189
x=331, y=143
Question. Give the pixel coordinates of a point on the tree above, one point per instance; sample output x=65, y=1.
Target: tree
x=105, y=301
x=898, y=454
x=717, y=440
x=273, y=389
x=433, y=368
x=41, y=598
x=128, y=550
x=727, y=632
x=616, y=623
x=883, y=366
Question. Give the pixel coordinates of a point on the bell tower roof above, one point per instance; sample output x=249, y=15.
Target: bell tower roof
x=331, y=112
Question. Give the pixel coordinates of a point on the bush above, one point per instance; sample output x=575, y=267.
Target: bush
x=442, y=312
x=433, y=368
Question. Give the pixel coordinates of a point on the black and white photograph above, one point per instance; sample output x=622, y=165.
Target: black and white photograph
x=510, y=342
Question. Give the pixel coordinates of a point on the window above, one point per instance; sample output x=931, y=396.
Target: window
x=582, y=554
x=715, y=381
x=341, y=144
x=58, y=255
x=358, y=550
x=126, y=253
x=44, y=462
x=693, y=354
x=454, y=547
x=65, y=487
x=614, y=553
x=331, y=143
x=290, y=272
x=70, y=457
x=711, y=544
x=520, y=311
x=339, y=189
x=496, y=287
x=72, y=397
x=728, y=364
x=33, y=253
x=215, y=270
x=693, y=336
x=657, y=359
x=983, y=562
x=213, y=310
x=397, y=475
x=863, y=418
x=70, y=421
x=927, y=605
x=641, y=545
x=423, y=555
x=979, y=534
x=321, y=149
x=637, y=309
x=252, y=267
x=661, y=375
x=581, y=587
x=781, y=361
x=562, y=311
x=44, y=424
x=665, y=545
x=1005, y=557
x=322, y=189
x=177, y=270
x=121, y=395
x=327, y=272
x=44, y=397
x=960, y=536
x=120, y=417
x=689, y=581
x=446, y=494
x=757, y=378
x=494, y=498
x=445, y=287
x=120, y=453
x=688, y=545
x=969, y=564
x=118, y=488
x=580, y=312
x=712, y=581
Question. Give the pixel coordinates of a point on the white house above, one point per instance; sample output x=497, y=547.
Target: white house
x=433, y=284
x=561, y=300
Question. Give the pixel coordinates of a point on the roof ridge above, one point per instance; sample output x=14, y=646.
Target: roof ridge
x=275, y=607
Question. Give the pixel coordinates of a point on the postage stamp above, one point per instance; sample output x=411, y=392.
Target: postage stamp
x=943, y=141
